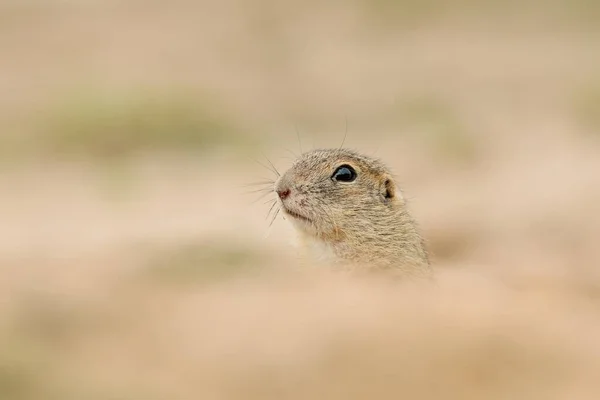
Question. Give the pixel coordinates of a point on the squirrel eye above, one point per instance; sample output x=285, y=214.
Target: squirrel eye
x=344, y=173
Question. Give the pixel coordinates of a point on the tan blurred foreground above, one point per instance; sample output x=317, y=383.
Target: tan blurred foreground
x=291, y=335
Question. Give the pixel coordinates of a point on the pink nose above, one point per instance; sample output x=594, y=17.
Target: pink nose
x=283, y=194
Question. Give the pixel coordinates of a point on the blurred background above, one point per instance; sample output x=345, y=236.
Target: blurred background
x=133, y=264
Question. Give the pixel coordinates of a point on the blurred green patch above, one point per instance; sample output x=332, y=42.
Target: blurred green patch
x=405, y=10
x=203, y=262
x=122, y=125
x=10, y=148
x=438, y=126
x=18, y=377
x=31, y=339
x=587, y=107
x=16, y=142
x=405, y=14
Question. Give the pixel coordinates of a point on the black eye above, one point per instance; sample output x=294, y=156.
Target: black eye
x=344, y=173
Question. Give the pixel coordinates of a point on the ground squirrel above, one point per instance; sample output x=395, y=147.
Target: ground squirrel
x=348, y=210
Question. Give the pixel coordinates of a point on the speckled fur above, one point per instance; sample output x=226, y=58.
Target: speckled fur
x=352, y=223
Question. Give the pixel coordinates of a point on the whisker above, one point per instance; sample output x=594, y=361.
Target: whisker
x=275, y=216
x=298, y=136
x=266, y=189
x=254, y=160
x=266, y=167
x=271, y=209
x=262, y=196
x=259, y=183
x=274, y=169
x=292, y=153
x=345, y=133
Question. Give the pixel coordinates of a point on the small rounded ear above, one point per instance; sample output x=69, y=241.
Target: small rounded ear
x=388, y=188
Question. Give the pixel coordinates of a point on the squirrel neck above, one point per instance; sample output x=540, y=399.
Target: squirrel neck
x=392, y=242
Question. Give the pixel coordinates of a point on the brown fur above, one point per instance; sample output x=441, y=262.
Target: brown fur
x=363, y=223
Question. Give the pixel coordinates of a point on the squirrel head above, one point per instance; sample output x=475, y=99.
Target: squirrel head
x=335, y=194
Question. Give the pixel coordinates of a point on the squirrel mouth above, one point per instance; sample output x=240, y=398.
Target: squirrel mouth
x=296, y=215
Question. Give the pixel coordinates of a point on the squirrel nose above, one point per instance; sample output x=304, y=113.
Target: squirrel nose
x=283, y=194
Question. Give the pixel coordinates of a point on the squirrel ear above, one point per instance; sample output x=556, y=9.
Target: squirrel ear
x=388, y=189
